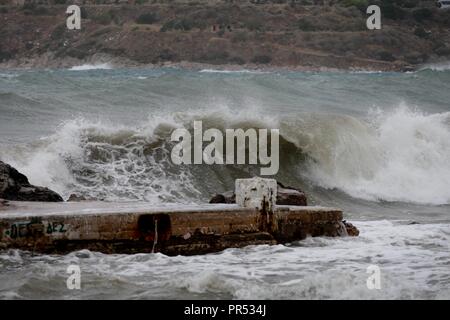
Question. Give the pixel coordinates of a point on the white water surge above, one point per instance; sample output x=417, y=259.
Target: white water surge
x=413, y=261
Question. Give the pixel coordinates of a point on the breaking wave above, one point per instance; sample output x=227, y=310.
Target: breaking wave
x=400, y=155
x=443, y=66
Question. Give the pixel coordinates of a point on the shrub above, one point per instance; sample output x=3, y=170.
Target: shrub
x=105, y=18
x=146, y=18
x=261, y=59
x=391, y=11
x=306, y=25
x=360, y=4
x=224, y=18
x=83, y=12
x=240, y=36
x=422, y=14
x=254, y=24
x=184, y=24
x=207, y=14
x=34, y=10
x=236, y=60
x=166, y=55
x=58, y=32
x=442, y=50
x=408, y=3
x=5, y=56
x=421, y=33
x=76, y=53
x=385, y=56
x=416, y=58
x=175, y=25
x=215, y=56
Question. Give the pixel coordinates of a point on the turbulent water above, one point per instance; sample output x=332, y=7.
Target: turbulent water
x=374, y=144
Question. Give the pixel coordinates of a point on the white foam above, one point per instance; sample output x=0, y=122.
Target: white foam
x=103, y=161
x=366, y=71
x=233, y=71
x=443, y=66
x=9, y=75
x=413, y=261
x=403, y=156
x=85, y=67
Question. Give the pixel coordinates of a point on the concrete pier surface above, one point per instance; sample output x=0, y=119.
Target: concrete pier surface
x=133, y=227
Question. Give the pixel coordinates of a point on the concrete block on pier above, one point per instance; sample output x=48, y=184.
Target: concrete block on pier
x=256, y=193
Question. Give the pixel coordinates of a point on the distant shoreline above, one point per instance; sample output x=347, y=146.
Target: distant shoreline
x=45, y=62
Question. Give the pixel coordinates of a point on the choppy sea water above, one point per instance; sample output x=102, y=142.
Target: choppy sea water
x=374, y=144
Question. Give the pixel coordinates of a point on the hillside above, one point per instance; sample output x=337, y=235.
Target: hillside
x=293, y=34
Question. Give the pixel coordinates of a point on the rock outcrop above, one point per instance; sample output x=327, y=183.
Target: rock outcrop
x=15, y=186
x=285, y=196
x=76, y=198
x=226, y=197
x=290, y=196
x=352, y=231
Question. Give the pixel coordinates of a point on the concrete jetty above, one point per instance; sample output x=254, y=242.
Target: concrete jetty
x=132, y=227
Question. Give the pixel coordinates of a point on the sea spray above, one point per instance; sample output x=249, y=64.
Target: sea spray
x=402, y=155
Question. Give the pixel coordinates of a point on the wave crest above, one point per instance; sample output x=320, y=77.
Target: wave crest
x=401, y=155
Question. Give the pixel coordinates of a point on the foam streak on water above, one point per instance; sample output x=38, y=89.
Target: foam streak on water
x=86, y=67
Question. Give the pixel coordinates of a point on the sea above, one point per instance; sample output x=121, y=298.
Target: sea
x=375, y=144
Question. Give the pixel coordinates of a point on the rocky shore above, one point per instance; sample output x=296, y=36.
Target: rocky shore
x=15, y=186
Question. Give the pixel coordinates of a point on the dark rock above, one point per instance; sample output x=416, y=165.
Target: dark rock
x=290, y=196
x=352, y=231
x=218, y=198
x=285, y=196
x=226, y=197
x=79, y=198
x=15, y=186
x=76, y=198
